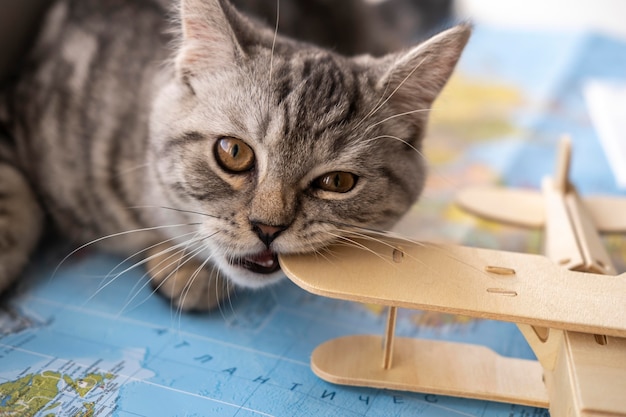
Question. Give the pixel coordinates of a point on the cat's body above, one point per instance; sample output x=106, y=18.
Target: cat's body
x=224, y=145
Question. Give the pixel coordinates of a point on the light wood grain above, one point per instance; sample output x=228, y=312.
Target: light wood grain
x=526, y=208
x=452, y=279
x=562, y=245
x=563, y=161
x=389, y=337
x=518, y=207
x=596, y=257
x=589, y=379
x=435, y=367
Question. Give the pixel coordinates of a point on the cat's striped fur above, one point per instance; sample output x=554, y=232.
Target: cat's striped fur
x=116, y=121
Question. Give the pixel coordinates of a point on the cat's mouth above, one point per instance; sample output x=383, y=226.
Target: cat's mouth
x=265, y=262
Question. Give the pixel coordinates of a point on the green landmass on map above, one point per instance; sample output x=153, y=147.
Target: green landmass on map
x=32, y=393
x=28, y=394
x=89, y=410
x=52, y=406
x=83, y=385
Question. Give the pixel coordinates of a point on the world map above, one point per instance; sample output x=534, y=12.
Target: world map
x=78, y=340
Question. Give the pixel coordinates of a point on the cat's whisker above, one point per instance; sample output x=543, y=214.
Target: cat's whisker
x=177, y=249
x=136, y=291
x=379, y=232
x=114, y=235
x=179, y=210
x=407, y=113
x=333, y=258
x=179, y=259
x=386, y=100
x=229, y=290
x=325, y=253
x=433, y=246
x=188, y=257
x=339, y=225
x=369, y=238
x=128, y=258
x=187, y=247
x=447, y=254
x=420, y=153
x=219, y=304
x=431, y=167
x=271, y=74
x=229, y=296
x=399, y=86
x=356, y=244
x=387, y=244
x=110, y=279
x=127, y=171
x=373, y=110
x=187, y=288
x=215, y=270
x=160, y=253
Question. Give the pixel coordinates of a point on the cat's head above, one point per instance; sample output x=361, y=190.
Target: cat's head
x=283, y=145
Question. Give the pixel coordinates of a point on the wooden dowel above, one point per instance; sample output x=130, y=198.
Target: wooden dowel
x=389, y=335
x=561, y=176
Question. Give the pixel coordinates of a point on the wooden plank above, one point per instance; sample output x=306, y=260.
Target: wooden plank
x=563, y=161
x=389, y=337
x=453, y=279
x=608, y=213
x=515, y=206
x=597, y=258
x=435, y=367
x=561, y=240
x=525, y=208
x=589, y=378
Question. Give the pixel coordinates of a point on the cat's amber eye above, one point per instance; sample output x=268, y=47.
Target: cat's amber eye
x=234, y=155
x=336, y=182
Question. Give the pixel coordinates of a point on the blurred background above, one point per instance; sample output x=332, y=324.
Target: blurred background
x=18, y=20
x=603, y=16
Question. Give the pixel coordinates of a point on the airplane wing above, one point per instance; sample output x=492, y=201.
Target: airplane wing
x=506, y=286
x=526, y=208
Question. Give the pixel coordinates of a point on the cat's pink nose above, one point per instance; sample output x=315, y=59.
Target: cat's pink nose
x=266, y=232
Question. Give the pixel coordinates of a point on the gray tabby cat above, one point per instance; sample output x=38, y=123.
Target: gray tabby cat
x=210, y=155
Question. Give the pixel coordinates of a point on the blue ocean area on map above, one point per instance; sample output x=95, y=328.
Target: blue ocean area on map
x=80, y=340
x=251, y=356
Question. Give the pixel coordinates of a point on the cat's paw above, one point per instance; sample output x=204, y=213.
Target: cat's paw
x=21, y=223
x=187, y=283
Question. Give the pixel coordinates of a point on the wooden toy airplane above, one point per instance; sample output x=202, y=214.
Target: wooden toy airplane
x=570, y=306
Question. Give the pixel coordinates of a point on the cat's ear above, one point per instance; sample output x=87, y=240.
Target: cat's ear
x=208, y=40
x=416, y=77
